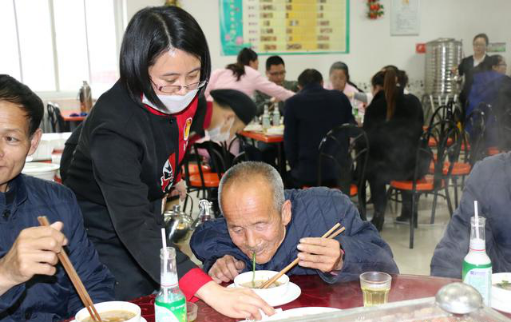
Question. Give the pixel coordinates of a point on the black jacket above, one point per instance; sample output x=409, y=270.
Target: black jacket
x=393, y=144
x=125, y=159
x=309, y=115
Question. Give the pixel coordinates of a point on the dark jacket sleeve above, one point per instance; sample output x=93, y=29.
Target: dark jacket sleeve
x=136, y=220
x=364, y=249
x=291, y=146
x=95, y=276
x=448, y=257
x=69, y=150
x=211, y=241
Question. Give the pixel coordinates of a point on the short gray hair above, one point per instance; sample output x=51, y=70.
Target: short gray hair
x=245, y=171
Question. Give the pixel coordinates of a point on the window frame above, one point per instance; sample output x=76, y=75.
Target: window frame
x=120, y=17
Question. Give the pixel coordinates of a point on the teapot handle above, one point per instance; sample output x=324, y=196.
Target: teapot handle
x=188, y=197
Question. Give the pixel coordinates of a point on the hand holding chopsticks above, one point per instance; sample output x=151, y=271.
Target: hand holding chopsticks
x=332, y=233
x=73, y=276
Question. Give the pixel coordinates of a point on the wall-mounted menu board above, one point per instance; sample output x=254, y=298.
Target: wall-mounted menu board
x=284, y=26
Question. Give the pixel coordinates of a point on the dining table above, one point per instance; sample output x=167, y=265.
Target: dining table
x=316, y=293
x=73, y=118
x=270, y=138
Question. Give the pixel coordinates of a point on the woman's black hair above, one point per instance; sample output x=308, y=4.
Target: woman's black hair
x=245, y=56
x=342, y=66
x=484, y=36
x=19, y=94
x=151, y=32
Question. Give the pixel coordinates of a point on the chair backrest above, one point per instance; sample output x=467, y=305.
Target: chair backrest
x=475, y=127
x=448, y=139
x=442, y=113
x=344, y=149
x=55, y=118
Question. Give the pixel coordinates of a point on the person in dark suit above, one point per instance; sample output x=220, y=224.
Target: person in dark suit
x=393, y=123
x=309, y=115
x=467, y=65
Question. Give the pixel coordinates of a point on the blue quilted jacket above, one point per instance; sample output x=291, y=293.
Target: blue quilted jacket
x=490, y=184
x=49, y=298
x=314, y=211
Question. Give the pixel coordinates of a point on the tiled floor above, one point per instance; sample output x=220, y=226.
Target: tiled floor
x=427, y=236
x=410, y=261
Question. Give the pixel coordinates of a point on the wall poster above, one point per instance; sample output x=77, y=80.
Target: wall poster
x=404, y=18
x=284, y=26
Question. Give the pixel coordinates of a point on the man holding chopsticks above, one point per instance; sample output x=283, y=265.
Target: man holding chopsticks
x=280, y=226
x=32, y=285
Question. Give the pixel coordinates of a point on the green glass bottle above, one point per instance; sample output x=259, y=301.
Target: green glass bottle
x=477, y=268
x=170, y=303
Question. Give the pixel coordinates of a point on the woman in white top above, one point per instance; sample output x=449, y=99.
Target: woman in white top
x=244, y=77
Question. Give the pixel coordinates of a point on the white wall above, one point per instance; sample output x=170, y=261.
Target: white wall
x=371, y=45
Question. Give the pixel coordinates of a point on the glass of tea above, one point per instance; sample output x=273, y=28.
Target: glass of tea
x=375, y=287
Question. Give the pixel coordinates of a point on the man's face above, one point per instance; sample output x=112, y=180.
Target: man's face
x=253, y=223
x=15, y=142
x=277, y=74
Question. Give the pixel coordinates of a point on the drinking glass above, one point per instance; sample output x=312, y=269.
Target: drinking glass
x=375, y=287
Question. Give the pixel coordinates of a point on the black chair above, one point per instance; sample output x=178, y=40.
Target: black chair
x=343, y=151
x=446, y=136
x=55, y=118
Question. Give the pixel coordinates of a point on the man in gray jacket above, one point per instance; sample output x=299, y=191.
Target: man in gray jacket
x=489, y=184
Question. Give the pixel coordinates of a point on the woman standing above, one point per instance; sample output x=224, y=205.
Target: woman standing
x=393, y=123
x=244, y=77
x=129, y=154
x=467, y=65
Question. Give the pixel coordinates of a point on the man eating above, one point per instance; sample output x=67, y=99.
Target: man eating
x=278, y=226
x=32, y=285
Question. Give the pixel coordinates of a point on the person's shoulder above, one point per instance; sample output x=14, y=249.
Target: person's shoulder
x=46, y=190
x=116, y=105
x=493, y=168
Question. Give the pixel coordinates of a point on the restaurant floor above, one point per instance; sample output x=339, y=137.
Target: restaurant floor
x=410, y=261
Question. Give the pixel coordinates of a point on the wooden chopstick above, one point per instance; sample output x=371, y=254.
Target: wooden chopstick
x=73, y=276
x=329, y=234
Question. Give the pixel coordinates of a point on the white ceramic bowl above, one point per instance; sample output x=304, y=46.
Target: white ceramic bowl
x=41, y=170
x=269, y=294
x=111, y=306
x=499, y=293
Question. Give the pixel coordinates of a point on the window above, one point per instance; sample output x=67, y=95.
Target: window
x=54, y=45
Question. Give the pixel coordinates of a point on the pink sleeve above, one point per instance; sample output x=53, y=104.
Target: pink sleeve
x=212, y=82
x=269, y=88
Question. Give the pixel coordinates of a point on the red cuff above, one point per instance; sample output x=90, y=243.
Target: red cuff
x=209, y=114
x=192, y=281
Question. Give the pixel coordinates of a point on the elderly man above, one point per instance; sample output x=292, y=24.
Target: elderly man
x=32, y=285
x=278, y=226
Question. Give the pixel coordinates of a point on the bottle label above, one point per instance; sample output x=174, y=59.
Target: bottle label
x=479, y=276
x=170, y=312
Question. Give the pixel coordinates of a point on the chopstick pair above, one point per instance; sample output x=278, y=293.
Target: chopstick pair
x=329, y=234
x=73, y=276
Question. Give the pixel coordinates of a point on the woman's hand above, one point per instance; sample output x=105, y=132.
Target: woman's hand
x=179, y=189
x=238, y=303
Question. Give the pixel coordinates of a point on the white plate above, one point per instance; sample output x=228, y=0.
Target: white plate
x=500, y=298
x=293, y=292
x=301, y=311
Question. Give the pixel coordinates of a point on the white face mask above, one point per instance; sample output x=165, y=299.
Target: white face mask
x=216, y=135
x=173, y=103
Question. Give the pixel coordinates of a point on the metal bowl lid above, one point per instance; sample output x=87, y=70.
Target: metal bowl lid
x=459, y=298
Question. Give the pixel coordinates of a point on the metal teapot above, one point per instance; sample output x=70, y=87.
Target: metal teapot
x=205, y=213
x=177, y=223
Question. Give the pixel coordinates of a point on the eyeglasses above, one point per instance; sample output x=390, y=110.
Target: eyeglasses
x=283, y=73
x=171, y=89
